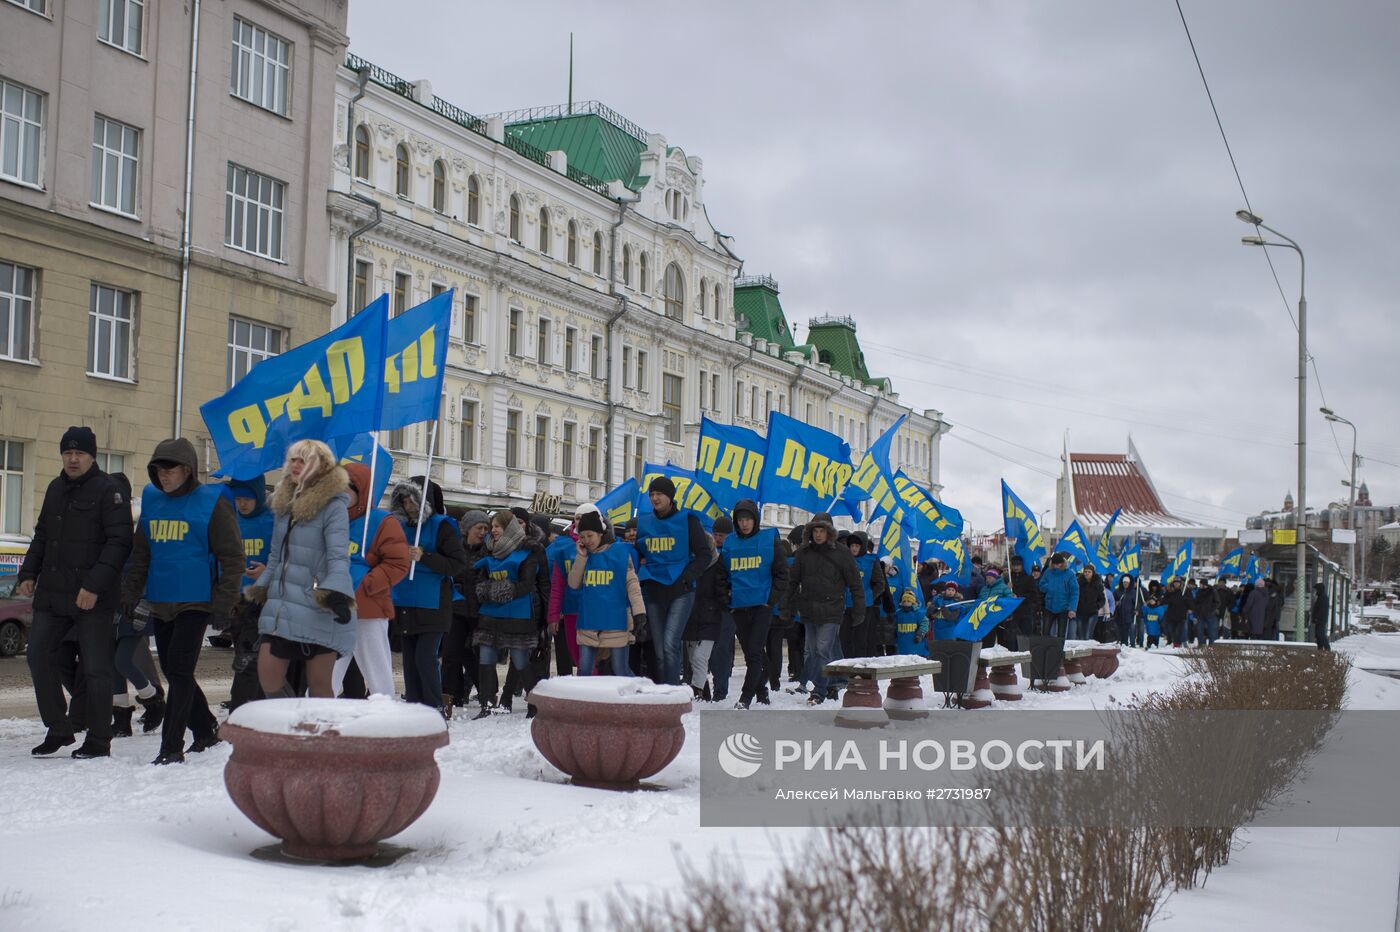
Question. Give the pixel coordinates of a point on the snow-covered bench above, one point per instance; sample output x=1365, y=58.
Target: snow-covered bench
x=997, y=667
x=861, y=704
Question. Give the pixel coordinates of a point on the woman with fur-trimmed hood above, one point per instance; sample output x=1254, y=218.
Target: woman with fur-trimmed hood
x=306, y=592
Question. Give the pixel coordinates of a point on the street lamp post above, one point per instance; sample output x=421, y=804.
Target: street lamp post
x=1351, y=497
x=1301, y=519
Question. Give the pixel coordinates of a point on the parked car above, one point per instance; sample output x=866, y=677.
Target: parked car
x=16, y=617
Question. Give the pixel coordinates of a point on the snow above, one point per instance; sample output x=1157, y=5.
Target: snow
x=164, y=847
x=376, y=717
x=893, y=662
x=628, y=690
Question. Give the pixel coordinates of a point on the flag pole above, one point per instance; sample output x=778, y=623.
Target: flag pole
x=423, y=493
x=369, y=506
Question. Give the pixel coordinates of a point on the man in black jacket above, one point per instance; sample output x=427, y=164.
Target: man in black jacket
x=73, y=570
x=1091, y=602
x=821, y=575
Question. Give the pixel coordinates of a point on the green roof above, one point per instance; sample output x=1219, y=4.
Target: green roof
x=837, y=346
x=759, y=312
x=591, y=144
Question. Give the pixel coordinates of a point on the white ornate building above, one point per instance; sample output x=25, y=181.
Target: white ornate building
x=594, y=319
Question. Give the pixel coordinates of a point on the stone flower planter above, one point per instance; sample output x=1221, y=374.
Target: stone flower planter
x=1106, y=661
x=608, y=731
x=333, y=777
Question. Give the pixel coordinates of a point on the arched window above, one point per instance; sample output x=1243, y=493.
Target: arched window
x=401, y=170
x=627, y=266
x=440, y=186
x=643, y=279
x=544, y=230
x=473, y=201
x=362, y=152
x=673, y=287
x=571, y=246
x=514, y=218
x=597, y=254
x=718, y=307
x=704, y=296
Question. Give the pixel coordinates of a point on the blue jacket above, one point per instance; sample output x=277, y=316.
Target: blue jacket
x=1061, y=589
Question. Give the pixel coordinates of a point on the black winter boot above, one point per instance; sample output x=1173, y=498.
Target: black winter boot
x=52, y=744
x=121, y=721
x=93, y=747
x=155, y=712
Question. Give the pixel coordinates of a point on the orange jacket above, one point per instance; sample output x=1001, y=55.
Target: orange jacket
x=387, y=555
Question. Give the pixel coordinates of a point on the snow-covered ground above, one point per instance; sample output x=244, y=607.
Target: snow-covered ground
x=118, y=844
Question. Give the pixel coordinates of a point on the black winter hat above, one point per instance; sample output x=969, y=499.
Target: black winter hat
x=521, y=513
x=81, y=439
x=723, y=525
x=795, y=535
x=591, y=521
x=664, y=485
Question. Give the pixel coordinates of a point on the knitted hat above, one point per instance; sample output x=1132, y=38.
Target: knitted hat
x=908, y=599
x=591, y=521
x=723, y=525
x=81, y=439
x=471, y=519
x=664, y=485
x=991, y=573
x=522, y=513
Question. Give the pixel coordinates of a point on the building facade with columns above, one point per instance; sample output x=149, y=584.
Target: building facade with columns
x=596, y=317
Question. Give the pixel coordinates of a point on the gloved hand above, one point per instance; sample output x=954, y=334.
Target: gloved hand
x=338, y=603
x=639, y=627
x=140, y=616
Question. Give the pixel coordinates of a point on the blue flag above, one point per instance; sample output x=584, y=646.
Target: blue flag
x=415, y=362
x=875, y=465
x=1230, y=563
x=619, y=505
x=1103, y=551
x=358, y=449
x=933, y=520
x=321, y=390
x=806, y=467
x=983, y=617
x=690, y=495
x=953, y=554
x=1252, y=570
x=1072, y=543
x=1180, y=565
x=1021, y=528
x=729, y=462
x=1129, y=562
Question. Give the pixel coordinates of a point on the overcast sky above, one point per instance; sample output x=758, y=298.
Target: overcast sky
x=1027, y=207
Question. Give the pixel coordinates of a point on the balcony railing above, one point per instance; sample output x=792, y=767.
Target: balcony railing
x=829, y=319
x=757, y=281
x=579, y=108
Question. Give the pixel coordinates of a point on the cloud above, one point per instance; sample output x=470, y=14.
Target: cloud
x=1026, y=207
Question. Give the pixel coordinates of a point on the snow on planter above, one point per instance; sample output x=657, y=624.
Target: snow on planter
x=610, y=732
x=333, y=777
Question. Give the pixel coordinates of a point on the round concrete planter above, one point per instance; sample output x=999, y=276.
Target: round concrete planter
x=610, y=732
x=1106, y=661
x=329, y=779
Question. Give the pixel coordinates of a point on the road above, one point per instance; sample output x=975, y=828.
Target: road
x=214, y=673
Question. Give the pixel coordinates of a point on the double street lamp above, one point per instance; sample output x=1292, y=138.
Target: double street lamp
x=1336, y=418
x=1301, y=517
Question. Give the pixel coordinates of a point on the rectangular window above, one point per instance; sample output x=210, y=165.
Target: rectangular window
x=469, y=431
x=566, y=450
x=111, y=462
x=754, y=413
x=21, y=131
x=627, y=367
x=671, y=405
x=111, y=316
x=767, y=401
x=261, y=67
x=513, y=344
x=38, y=6
x=595, y=357
x=253, y=205
x=641, y=370
x=704, y=389
x=17, y=311
x=639, y=457
x=249, y=343
x=11, y=487
x=362, y=279
x=435, y=289
x=401, y=286
x=570, y=347
x=119, y=23
x=469, y=302
x=542, y=464
x=739, y=396
x=512, y=440
x=542, y=342
x=595, y=445
x=714, y=391
x=114, y=165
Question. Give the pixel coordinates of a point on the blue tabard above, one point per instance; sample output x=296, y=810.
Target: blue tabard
x=561, y=555
x=182, y=568
x=359, y=567
x=666, y=542
x=509, y=569
x=257, y=538
x=750, y=564
x=424, y=590
x=906, y=627
x=603, y=597
x=866, y=564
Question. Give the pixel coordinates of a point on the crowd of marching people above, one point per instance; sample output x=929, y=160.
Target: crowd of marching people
x=314, y=584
